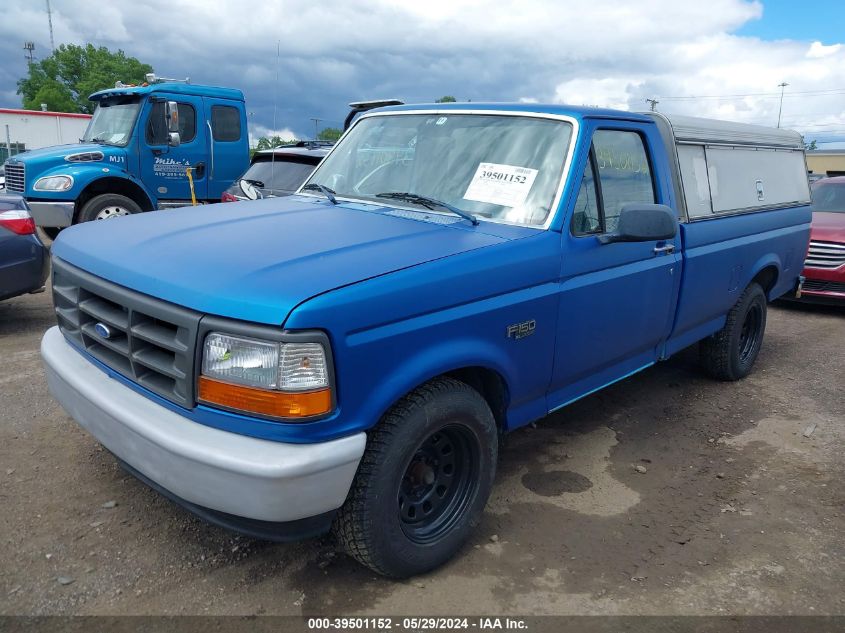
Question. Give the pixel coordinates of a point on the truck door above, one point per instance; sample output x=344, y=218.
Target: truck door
x=163, y=168
x=616, y=300
x=228, y=143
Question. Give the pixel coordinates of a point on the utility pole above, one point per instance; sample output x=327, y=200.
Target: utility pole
x=28, y=47
x=50, y=22
x=316, y=127
x=653, y=103
x=781, y=85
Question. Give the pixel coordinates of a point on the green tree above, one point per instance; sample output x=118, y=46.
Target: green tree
x=65, y=79
x=811, y=145
x=329, y=134
x=446, y=99
x=265, y=142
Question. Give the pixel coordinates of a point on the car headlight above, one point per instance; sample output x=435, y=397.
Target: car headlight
x=275, y=379
x=53, y=183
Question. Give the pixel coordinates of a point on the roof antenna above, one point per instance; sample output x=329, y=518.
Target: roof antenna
x=275, y=101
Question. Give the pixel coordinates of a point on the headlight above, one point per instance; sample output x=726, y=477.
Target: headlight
x=53, y=183
x=284, y=380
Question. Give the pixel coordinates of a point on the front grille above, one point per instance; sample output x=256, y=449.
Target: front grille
x=817, y=285
x=15, y=177
x=825, y=255
x=151, y=343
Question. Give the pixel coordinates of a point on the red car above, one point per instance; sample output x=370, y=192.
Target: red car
x=824, y=268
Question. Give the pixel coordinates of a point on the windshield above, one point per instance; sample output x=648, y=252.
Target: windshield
x=829, y=197
x=112, y=122
x=280, y=175
x=493, y=166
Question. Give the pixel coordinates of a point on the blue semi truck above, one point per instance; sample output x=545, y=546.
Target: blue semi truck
x=348, y=357
x=135, y=154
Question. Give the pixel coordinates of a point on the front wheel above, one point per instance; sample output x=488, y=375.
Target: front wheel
x=423, y=481
x=729, y=354
x=106, y=207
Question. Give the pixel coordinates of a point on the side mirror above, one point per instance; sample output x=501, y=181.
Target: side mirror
x=171, y=115
x=173, y=139
x=641, y=222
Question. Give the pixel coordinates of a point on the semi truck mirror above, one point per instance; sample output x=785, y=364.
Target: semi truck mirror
x=171, y=113
x=641, y=222
x=173, y=139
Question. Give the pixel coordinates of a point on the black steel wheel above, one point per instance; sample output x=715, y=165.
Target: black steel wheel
x=729, y=354
x=423, y=481
x=439, y=482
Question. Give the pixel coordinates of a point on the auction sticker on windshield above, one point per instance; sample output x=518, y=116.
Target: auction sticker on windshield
x=505, y=185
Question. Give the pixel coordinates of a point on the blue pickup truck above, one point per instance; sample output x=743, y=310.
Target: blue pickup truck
x=135, y=154
x=348, y=357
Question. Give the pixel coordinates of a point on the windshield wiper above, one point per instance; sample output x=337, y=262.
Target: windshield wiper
x=428, y=203
x=100, y=140
x=313, y=186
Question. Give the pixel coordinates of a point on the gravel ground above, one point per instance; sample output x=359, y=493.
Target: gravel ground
x=668, y=493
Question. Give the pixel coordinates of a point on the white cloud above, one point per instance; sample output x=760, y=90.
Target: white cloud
x=819, y=50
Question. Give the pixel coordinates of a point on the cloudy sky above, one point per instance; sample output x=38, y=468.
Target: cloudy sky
x=720, y=58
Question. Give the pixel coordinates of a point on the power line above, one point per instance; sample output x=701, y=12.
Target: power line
x=793, y=93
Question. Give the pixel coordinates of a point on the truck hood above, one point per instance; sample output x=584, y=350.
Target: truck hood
x=828, y=227
x=257, y=260
x=51, y=160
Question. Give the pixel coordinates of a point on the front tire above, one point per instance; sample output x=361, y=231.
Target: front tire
x=423, y=481
x=107, y=206
x=729, y=354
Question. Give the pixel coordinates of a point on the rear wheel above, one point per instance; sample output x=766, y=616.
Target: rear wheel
x=106, y=207
x=729, y=354
x=423, y=481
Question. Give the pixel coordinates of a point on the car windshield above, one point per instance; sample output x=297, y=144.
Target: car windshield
x=112, y=122
x=829, y=197
x=493, y=166
x=279, y=175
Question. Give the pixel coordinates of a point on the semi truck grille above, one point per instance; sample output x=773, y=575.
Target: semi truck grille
x=148, y=341
x=823, y=286
x=825, y=255
x=15, y=177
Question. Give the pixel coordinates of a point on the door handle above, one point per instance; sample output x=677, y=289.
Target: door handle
x=199, y=168
x=666, y=248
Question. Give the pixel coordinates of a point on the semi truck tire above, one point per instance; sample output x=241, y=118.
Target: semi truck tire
x=729, y=354
x=423, y=481
x=107, y=206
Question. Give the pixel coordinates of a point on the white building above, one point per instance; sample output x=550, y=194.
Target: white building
x=32, y=129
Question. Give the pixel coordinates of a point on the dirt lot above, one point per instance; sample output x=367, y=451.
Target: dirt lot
x=737, y=511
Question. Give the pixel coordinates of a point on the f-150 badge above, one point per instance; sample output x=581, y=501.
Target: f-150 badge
x=521, y=330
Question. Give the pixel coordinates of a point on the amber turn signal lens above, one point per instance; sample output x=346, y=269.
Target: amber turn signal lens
x=277, y=404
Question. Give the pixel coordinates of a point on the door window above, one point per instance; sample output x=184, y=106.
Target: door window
x=586, y=218
x=624, y=177
x=157, y=130
x=225, y=123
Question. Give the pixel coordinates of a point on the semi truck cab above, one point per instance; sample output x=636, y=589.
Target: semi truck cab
x=135, y=154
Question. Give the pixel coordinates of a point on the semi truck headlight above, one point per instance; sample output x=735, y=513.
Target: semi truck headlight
x=53, y=183
x=280, y=380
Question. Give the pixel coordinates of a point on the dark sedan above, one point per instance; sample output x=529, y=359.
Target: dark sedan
x=278, y=172
x=24, y=261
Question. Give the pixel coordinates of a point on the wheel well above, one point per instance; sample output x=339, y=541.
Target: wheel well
x=120, y=186
x=490, y=385
x=766, y=278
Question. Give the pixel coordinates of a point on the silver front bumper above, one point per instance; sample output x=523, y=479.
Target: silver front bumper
x=231, y=473
x=52, y=213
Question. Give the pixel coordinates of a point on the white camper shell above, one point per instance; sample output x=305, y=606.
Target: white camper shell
x=727, y=168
